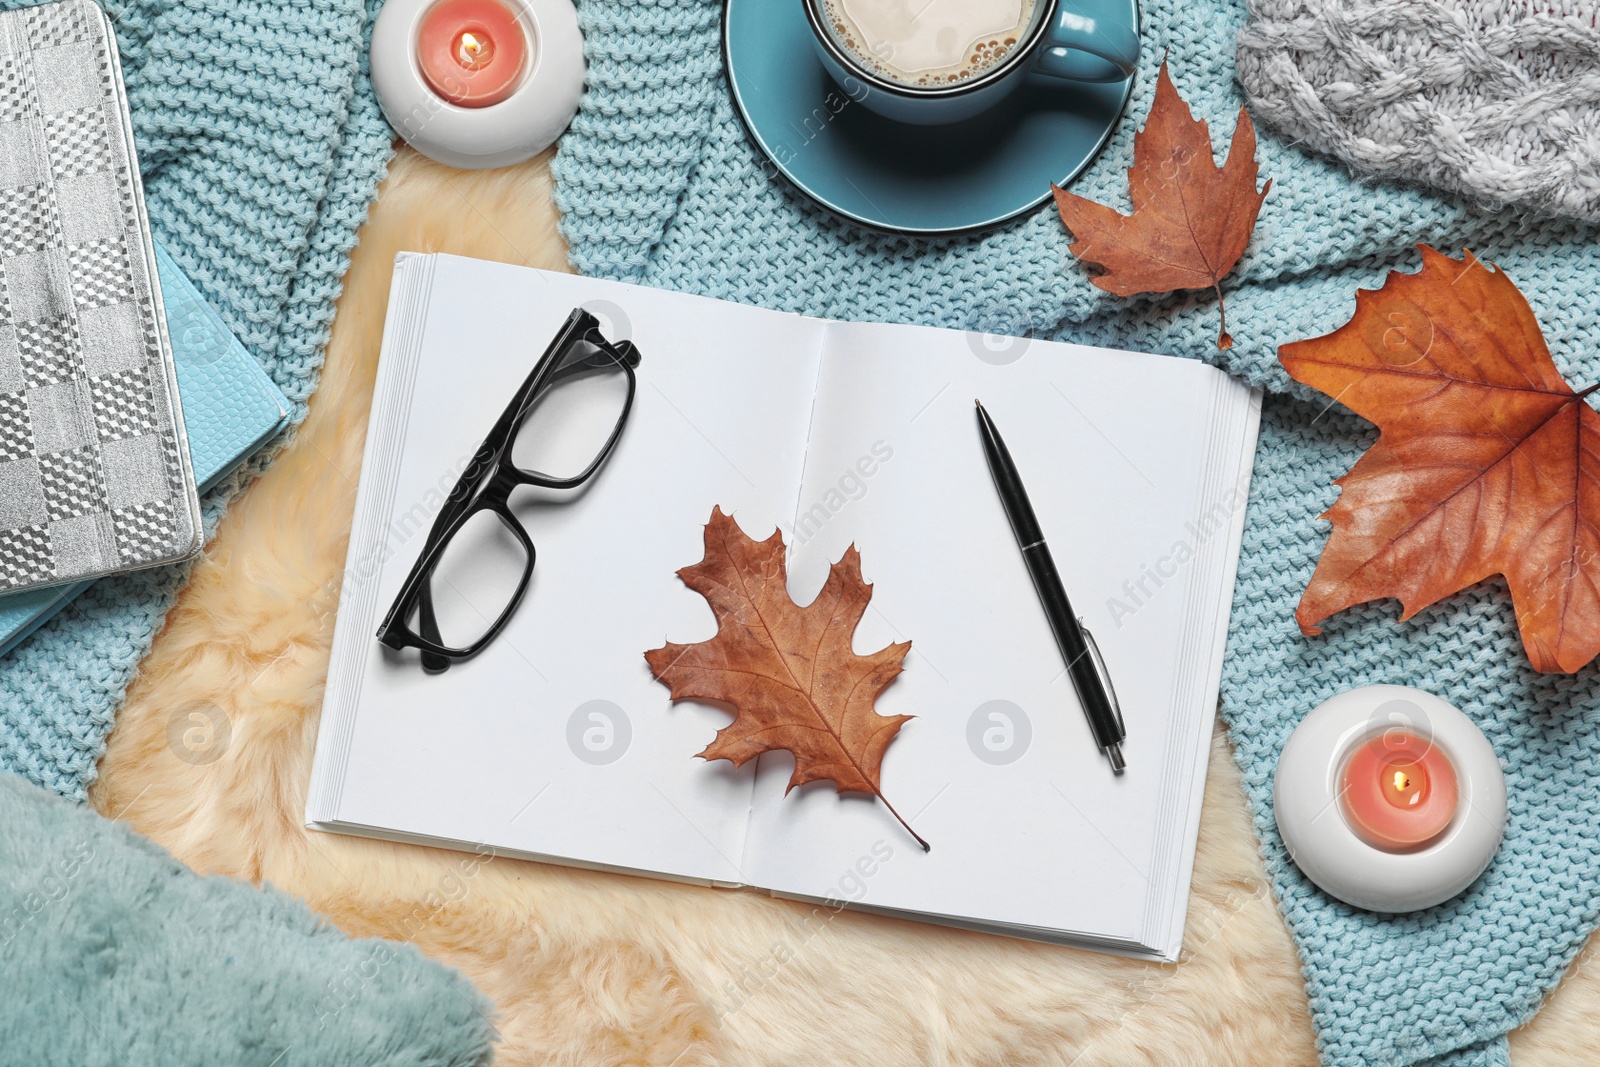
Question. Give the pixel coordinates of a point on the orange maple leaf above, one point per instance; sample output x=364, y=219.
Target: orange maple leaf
x=1191, y=219
x=790, y=673
x=1487, y=461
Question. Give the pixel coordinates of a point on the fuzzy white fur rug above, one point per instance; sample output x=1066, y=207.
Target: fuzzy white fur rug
x=212, y=754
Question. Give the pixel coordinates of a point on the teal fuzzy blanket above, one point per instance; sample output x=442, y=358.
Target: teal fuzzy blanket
x=261, y=146
x=115, y=954
x=659, y=184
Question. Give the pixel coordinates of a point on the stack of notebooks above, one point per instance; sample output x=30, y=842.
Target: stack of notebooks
x=230, y=408
x=94, y=466
x=556, y=744
x=101, y=462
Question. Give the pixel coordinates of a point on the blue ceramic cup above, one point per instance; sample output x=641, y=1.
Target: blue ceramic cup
x=1065, y=41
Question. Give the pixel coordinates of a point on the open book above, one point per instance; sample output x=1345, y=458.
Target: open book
x=557, y=744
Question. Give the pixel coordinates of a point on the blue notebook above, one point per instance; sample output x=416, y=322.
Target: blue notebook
x=230, y=408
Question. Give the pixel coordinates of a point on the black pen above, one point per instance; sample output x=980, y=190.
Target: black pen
x=1084, y=665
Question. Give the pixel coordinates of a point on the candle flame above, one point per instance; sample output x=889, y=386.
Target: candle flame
x=1406, y=788
x=474, y=50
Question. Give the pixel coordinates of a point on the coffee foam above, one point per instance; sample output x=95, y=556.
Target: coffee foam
x=929, y=43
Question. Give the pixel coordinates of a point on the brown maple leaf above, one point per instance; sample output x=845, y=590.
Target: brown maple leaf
x=1487, y=462
x=790, y=673
x=1191, y=219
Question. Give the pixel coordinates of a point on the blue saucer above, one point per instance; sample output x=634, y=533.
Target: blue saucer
x=920, y=180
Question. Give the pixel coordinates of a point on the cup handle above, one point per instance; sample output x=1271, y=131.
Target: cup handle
x=1082, y=48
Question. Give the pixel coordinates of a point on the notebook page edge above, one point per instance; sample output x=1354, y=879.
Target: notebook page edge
x=404, y=326
x=1063, y=938
x=489, y=852
x=1244, y=428
x=1181, y=746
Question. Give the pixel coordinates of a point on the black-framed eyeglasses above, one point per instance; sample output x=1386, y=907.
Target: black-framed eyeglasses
x=555, y=434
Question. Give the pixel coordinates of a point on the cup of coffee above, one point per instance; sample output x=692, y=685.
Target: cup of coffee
x=930, y=62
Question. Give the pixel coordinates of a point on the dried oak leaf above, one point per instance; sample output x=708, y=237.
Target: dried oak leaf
x=789, y=672
x=1487, y=462
x=1191, y=219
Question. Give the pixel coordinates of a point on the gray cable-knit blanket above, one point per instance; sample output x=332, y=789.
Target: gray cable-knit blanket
x=1496, y=99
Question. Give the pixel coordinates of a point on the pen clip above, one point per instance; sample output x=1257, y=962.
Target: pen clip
x=1103, y=674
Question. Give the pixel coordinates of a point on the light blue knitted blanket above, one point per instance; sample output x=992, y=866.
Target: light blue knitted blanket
x=658, y=184
x=261, y=146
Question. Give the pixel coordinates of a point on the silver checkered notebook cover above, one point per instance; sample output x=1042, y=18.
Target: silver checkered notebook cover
x=94, y=465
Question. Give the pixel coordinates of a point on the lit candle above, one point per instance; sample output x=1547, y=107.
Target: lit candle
x=1398, y=791
x=471, y=51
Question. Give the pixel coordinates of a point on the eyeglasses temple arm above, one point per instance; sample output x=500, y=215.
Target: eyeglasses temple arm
x=428, y=623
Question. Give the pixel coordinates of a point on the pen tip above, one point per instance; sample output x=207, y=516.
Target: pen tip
x=1114, y=753
x=977, y=403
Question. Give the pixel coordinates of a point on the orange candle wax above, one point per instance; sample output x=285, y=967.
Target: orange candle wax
x=471, y=51
x=1398, y=791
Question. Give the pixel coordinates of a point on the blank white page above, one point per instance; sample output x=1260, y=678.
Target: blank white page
x=488, y=751
x=1112, y=447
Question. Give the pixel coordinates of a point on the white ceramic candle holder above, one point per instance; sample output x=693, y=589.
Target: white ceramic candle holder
x=477, y=138
x=1326, y=822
